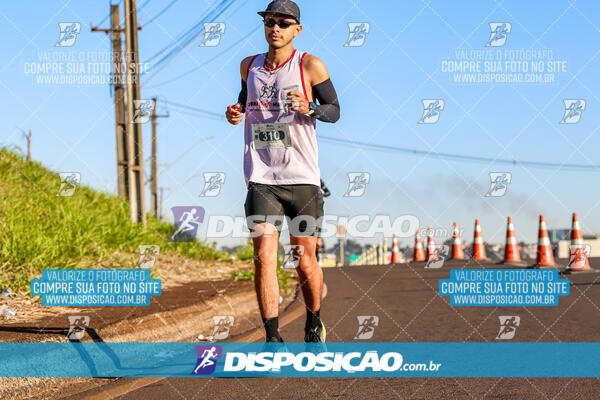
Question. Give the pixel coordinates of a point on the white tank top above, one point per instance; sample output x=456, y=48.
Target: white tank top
x=280, y=146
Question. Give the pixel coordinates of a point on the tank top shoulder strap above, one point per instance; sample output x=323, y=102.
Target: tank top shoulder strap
x=250, y=64
x=301, y=67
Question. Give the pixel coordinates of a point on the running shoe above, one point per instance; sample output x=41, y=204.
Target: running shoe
x=316, y=334
x=274, y=339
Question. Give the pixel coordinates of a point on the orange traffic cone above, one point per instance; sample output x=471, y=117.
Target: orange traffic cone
x=578, y=259
x=457, y=249
x=478, y=246
x=419, y=253
x=544, y=249
x=511, y=250
x=395, y=251
x=431, y=253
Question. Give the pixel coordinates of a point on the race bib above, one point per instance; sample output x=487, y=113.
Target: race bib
x=271, y=136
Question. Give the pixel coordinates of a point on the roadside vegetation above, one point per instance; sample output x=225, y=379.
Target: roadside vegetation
x=41, y=230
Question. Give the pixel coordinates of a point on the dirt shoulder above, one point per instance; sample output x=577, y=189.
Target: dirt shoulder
x=193, y=292
x=172, y=270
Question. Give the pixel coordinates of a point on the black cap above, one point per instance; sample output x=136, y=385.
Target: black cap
x=285, y=7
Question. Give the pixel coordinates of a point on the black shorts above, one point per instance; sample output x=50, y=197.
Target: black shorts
x=302, y=206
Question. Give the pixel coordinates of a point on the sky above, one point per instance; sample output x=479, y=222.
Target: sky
x=407, y=57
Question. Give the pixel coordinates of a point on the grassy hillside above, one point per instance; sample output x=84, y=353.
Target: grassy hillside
x=41, y=230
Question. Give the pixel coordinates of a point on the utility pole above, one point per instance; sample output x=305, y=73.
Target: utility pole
x=29, y=146
x=150, y=180
x=160, y=207
x=153, y=165
x=119, y=98
x=341, y=231
x=135, y=159
x=27, y=137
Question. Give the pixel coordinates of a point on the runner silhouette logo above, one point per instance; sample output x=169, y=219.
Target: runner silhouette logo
x=508, y=327
x=499, y=32
x=358, y=33
x=499, y=182
x=186, y=220
x=573, y=110
x=432, y=109
x=68, y=33
x=213, y=181
x=212, y=34
x=366, y=326
x=207, y=359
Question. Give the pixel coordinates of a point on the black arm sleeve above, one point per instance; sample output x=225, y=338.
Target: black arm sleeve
x=243, y=96
x=328, y=109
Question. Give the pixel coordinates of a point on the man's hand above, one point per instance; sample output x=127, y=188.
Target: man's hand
x=297, y=102
x=234, y=114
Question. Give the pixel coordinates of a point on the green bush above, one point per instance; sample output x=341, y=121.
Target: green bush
x=41, y=230
x=245, y=253
x=283, y=277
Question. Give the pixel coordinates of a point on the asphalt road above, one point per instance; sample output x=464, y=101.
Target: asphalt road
x=409, y=309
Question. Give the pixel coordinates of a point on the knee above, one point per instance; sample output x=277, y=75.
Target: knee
x=265, y=257
x=308, y=262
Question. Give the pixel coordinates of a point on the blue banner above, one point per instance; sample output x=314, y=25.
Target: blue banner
x=95, y=287
x=299, y=360
x=504, y=287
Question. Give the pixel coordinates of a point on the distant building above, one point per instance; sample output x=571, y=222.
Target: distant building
x=328, y=260
x=528, y=251
x=557, y=235
x=592, y=245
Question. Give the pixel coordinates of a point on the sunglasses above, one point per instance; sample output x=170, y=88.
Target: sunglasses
x=270, y=22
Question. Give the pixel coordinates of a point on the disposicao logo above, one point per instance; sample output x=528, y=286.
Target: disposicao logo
x=207, y=359
x=321, y=362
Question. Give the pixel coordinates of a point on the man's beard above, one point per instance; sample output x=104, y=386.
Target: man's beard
x=279, y=44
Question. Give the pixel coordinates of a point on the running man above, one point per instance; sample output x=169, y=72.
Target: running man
x=279, y=90
x=189, y=219
x=207, y=357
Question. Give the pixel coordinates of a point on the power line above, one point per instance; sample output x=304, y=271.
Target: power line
x=110, y=3
x=187, y=38
x=459, y=157
x=201, y=112
x=196, y=27
x=370, y=146
x=187, y=151
x=144, y=5
x=161, y=12
x=193, y=114
x=204, y=63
